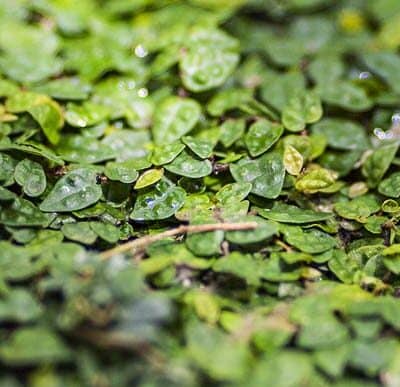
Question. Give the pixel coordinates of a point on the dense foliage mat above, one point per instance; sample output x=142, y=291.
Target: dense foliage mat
x=199, y=193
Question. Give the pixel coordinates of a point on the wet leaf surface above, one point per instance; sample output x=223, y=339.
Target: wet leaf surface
x=76, y=190
x=199, y=192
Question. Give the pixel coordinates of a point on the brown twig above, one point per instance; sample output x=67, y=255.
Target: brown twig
x=141, y=243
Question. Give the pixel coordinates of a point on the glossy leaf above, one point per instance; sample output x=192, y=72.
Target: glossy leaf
x=174, y=118
x=149, y=177
x=123, y=171
x=301, y=110
x=209, y=58
x=159, y=202
x=287, y=213
x=186, y=164
x=261, y=136
x=76, y=190
x=266, y=174
x=30, y=175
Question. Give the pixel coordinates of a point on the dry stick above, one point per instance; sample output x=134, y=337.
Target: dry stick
x=141, y=243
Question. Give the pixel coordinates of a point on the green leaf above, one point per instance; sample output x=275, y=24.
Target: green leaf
x=205, y=305
x=266, y=174
x=207, y=243
x=270, y=371
x=124, y=171
x=32, y=346
x=233, y=193
x=261, y=136
x=149, y=177
x=43, y=109
x=23, y=213
x=229, y=358
x=106, y=231
x=293, y=160
x=385, y=64
x=315, y=180
x=264, y=230
x=31, y=177
x=372, y=357
x=200, y=147
x=158, y=202
x=186, y=164
x=86, y=114
x=174, y=118
x=19, y=60
x=343, y=266
x=7, y=167
x=210, y=56
x=241, y=265
x=125, y=145
x=231, y=130
x=228, y=99
x=342, y=134
x=164, y=154
x=286, y=213
x=377, y=163
x=390, y=186
x=85, y=150
x=311, y=241
x=359, y=208
x=76, y=190
x=79, y=232
x=346, y=95
x=19, y=306
x=303, y=109
x=64, y=89
x=277, y=89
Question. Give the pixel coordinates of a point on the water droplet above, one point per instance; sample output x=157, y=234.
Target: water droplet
x=382, y=135
x=81, y=122
x=131, y=85
x=150, y=202
x=143, y=92
x=364, y=75
x=65, y=190
x=396, y=118
x=140, y=51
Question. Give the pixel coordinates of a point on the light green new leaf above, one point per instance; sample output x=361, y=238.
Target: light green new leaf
x=293, y=160
x=315, y=180
x=149, y=177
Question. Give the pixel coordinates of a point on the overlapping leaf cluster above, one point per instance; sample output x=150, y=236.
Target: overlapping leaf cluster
x=121, y=119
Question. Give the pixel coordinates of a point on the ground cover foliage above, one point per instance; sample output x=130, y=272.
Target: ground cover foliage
x=258, y=138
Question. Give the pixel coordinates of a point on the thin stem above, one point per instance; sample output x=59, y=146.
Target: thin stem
x=141, y=243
